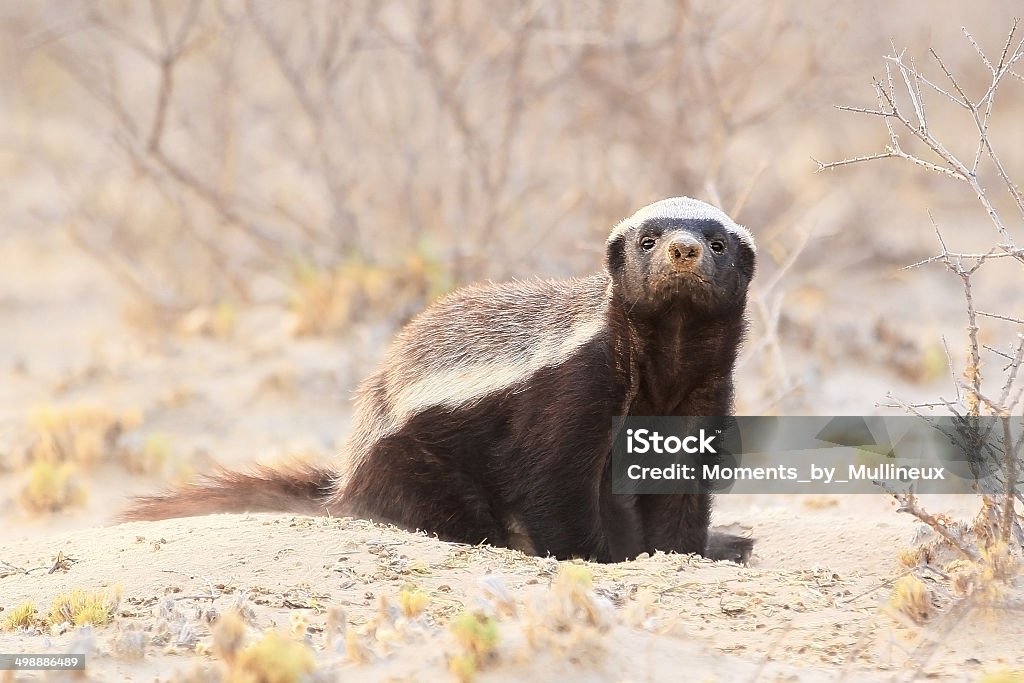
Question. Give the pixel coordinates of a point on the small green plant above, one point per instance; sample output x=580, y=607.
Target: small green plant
x=477, y=636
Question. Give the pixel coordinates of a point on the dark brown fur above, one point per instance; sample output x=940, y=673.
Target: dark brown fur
x=490, y=417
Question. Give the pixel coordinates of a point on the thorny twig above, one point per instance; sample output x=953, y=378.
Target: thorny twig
x=950, y=164
x=972, y=400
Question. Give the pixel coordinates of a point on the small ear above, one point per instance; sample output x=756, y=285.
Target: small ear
x=746, y=260
x=615, y=254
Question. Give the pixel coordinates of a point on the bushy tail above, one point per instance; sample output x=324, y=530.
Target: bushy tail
x=302, y=489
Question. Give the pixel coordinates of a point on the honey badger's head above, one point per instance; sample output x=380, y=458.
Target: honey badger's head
x=680, y=254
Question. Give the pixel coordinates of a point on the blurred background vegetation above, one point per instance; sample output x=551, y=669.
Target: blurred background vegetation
x=328, y=168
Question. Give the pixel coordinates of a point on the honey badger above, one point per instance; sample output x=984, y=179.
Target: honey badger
x=490, y=416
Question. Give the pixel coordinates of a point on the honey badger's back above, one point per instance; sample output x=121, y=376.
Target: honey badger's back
x=461, y=429
x=472, y=344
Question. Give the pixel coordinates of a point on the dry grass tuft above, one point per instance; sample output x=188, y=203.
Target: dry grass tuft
x=910, y=557
x=275, y=658
x=999, y=564
x=572, y=620
x=356, y=650
x=412, y=601
x=910, y=596
x=155, y=454
x=22, y=616
x=576, y=599
x=988, y=578
x=80, y=607
x=463, y=667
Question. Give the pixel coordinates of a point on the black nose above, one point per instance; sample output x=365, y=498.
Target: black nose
x=684, y=250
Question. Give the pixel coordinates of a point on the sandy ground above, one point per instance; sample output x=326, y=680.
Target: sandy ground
x=812, y=605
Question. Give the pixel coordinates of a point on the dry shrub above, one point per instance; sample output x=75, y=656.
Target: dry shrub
x=328, y=302
x=67, y=441
x=912, y=101
x=51, y=488
x=82, y=434
x=987, y=579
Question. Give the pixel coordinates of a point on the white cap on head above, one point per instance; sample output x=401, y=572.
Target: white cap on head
x=684, y=208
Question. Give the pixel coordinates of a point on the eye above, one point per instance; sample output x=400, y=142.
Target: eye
x=647, y=243
x=717, y=246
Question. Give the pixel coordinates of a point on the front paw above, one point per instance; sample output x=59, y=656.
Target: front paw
x=729, y=547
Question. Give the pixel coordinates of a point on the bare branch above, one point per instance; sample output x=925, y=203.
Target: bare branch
x=999, y=316
x=915, y=408
x=908, y=504
x=863, y=110
x=998, y=353
x=1010, y=466
x=977, y=48
x=1012, y=370
x=822, y=166
x=952, y=370
x=913, y=85
x=163, y=100
x=996, y=252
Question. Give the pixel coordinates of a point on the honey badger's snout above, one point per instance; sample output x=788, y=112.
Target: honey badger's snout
x=684, y=251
